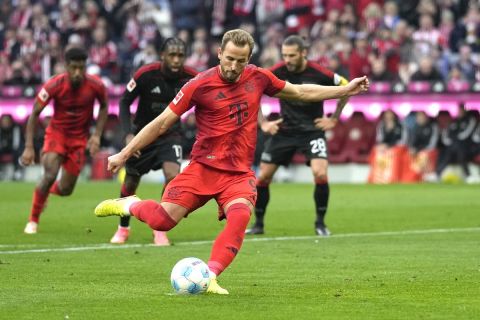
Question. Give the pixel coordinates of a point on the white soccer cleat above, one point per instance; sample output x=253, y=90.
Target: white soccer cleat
x=121, y=236
x=214, y=287
x=472, y=179
x=430, y=177
x=322, y=231
x=31, y=228
x=160, y=238
x=115, y=207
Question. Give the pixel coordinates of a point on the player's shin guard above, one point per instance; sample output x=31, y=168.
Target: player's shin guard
x=230, y=240
x=153, y=214
x=321, y=194
x=263, y=197
x=125, y=221
x=38, y=203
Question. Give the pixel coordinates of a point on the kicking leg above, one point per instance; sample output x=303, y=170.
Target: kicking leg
x=159, y=216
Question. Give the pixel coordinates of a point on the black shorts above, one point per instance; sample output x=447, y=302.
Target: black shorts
x=167, y=149
x=280, y=148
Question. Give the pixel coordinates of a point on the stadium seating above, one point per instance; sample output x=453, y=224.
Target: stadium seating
x=443, y=119
x=335, y=142
x=99, y=166
x=359, y=139
x=476, y=159
x=299, y=158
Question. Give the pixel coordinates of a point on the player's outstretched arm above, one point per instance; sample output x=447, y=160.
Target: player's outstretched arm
x=313, y=92
x=147, y=135
x=28, y=155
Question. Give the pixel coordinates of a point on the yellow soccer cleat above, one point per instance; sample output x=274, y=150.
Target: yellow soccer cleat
x=214, y=287
x=115, y=207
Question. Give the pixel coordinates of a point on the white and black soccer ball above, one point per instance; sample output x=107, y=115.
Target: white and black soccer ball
x=190, y=276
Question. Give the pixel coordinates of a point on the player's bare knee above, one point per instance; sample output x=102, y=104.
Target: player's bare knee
x=321, y=178
x=263, y=181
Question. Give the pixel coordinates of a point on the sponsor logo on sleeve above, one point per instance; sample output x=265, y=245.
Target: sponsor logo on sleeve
x=43, y=95
x=131, y=85
x=178, y=97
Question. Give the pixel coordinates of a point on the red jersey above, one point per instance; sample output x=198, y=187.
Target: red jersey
x=226, y=115
x=73, y=108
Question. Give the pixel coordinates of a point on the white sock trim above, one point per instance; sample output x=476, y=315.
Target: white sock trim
x=128, y=202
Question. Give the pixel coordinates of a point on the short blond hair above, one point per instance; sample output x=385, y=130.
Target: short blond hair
x=238, y=37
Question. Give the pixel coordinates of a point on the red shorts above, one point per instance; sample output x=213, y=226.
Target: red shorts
x=71, y=148
x=198, y=183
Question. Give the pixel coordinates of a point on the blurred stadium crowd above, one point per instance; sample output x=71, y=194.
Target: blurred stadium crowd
x=398, y=42
x=384, y=39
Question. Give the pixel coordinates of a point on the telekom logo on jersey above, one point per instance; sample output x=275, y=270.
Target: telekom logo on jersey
x=239, y=112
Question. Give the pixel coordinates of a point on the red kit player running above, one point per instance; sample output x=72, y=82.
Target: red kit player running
x=66, y=137
x=226, y=100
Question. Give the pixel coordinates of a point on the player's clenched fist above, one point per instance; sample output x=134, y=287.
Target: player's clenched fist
x=28, y=156
x=358, y=85
x=115, y=162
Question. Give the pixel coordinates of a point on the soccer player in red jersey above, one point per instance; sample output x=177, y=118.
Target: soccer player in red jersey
x=73, y=93
x=227, y=101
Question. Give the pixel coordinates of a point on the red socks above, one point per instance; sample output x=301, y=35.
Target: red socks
x=153, y=214
x=38, y=202
x=230, y=240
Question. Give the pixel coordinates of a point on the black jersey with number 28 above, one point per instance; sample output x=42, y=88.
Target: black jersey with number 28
x=298, y=116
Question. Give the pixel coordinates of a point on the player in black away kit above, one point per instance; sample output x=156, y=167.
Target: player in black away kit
x=303, y=129
x=155, y=84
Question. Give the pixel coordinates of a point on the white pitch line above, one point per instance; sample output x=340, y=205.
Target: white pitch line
x=259, y=239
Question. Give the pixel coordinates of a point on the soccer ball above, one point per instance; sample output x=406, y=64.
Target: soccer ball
x=190, y=276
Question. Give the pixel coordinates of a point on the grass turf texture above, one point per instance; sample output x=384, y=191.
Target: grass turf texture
x=376, y=266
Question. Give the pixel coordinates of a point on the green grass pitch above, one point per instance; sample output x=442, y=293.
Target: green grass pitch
x=397, y=252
